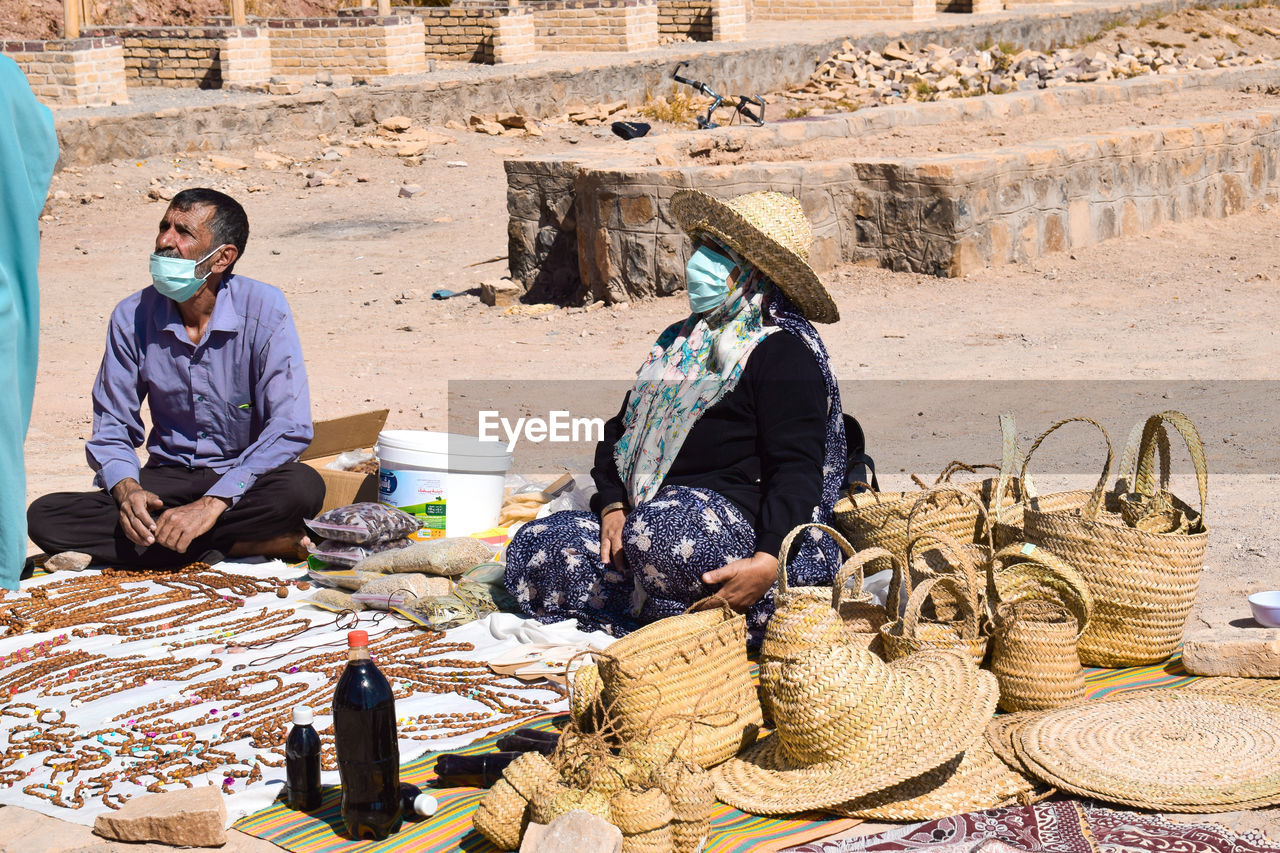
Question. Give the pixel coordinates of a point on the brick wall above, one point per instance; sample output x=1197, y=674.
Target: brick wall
x=201, y=57
x=364, y=45
x=843, y=10
x=514, y=38
x=462, y=33
x=729, y=20
x=595, y=25
x=685, y=18
x=84, y=72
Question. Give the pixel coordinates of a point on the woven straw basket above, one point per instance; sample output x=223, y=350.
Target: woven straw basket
x=817, y=616
x=691, y=669
x=1034, y=655
x=1143, y=583
x=1043, y=608
x=880, y=519
x=944, y=555
x=909, y=635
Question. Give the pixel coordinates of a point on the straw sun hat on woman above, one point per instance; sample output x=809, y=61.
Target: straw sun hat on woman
x=732, y=435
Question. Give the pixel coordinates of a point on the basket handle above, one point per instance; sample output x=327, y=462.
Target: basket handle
x=911, y=618
x=1010, y=459
x=784, y=553
x=1127, y=471
x=1094, y=506
x=956, y=466
x=1073, y=584
x=853, y=567
x=932, y=496
x=1152, y=431
x=953, y=552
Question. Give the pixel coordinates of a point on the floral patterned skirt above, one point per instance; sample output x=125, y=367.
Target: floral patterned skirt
x=554, y=568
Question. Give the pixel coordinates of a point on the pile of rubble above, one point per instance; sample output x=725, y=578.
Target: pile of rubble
x=852, y=78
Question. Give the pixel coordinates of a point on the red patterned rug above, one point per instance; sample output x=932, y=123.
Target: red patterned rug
x=1053, y=827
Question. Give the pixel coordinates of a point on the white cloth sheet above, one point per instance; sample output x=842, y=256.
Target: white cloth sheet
x=490, y=637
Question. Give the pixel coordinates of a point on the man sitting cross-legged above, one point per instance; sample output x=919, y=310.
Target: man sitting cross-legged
x=217, y=357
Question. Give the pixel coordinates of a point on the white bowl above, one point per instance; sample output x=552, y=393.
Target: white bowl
x=1266, y=607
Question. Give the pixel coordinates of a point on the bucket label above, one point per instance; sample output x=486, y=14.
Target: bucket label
x=419, y=493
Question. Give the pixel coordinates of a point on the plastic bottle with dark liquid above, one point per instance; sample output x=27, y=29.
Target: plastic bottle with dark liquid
x=472, y=771
x=302, y=763
x=364, y=734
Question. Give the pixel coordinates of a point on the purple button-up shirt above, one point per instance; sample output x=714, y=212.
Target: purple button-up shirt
x=237, y=402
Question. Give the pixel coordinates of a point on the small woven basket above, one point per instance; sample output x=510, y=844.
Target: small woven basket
x=1143, y=583
x=1034, y=655
x=908, y=635
x=688, y=836
x=640, y=810
x=803, y=617
x=691, y=790
x=658, y=840
x=943, y=556
x=502, y=816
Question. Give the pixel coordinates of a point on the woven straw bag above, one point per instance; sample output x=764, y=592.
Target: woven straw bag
x=1143, y=583
x=690, y=670
x=944, y=555
x=803, y=617
x=1034, y=655
x=502, y=816
x=908, y=635
x=1006, y=522
x=880, y=519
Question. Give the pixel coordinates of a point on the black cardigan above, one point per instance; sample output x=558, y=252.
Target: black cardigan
x=762, y=445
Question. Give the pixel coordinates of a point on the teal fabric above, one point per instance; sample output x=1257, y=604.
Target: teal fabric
x=28, y=152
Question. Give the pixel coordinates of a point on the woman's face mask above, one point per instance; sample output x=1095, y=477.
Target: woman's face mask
x=176, y=277
x=707, y=277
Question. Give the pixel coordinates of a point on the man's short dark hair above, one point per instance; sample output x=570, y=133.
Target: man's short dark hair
x=229, y=225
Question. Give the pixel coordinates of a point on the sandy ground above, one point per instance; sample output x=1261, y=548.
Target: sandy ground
x=1190, y=310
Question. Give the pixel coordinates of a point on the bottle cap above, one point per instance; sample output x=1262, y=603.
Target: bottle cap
x=425, y=805
x=356, y=639
x=302, y=715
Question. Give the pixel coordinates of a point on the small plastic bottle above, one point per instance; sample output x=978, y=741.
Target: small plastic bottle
x=415, y=803
x=302, y=762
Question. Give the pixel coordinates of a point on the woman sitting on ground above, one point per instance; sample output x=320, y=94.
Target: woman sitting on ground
x=732, y=435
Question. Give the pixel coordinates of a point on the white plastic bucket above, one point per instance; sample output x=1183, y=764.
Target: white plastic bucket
x=454, y=483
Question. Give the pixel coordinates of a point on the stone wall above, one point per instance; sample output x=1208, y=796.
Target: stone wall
x=202, y=57
x=595, y=25
x=363, y=45
x=595, y=225
x=84, y=72
x=844, y=10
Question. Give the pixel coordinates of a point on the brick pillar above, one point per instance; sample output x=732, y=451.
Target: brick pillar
x=728, y=20
x=641, y=26
x=245, y=58
x=514, y=38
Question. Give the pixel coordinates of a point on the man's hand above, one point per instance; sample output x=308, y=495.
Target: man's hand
x=180, y=525
x=136, y=505
x=743, y=582
x=611, y=540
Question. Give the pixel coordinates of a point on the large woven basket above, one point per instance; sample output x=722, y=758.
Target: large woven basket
x=1143, y=583
x=691, y=668
x=911, y=634
x=880, y=519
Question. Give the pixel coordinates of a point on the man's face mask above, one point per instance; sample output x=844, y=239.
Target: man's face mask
x=176, y=277
x=707, y=277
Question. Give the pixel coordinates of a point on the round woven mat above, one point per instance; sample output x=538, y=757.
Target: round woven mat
x=1265, y=688
x=1169, y=750
x=975, y=780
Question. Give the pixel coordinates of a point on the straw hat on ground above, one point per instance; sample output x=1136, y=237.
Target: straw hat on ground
x=849, y=724
x=770, y=230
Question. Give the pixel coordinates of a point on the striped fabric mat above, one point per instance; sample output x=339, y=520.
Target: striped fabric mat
x=450, y=829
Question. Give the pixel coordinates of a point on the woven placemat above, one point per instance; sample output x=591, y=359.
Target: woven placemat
x=1172, y=750
x=1265, y=688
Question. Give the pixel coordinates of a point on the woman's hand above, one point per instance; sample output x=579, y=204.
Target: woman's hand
x=743, y=582
x=611, y=540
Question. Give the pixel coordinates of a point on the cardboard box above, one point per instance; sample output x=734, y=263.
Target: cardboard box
x=332, y=437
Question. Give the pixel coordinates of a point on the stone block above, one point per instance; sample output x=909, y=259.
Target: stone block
x=188, y=817
x=1240, y=652
x=501, y=293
